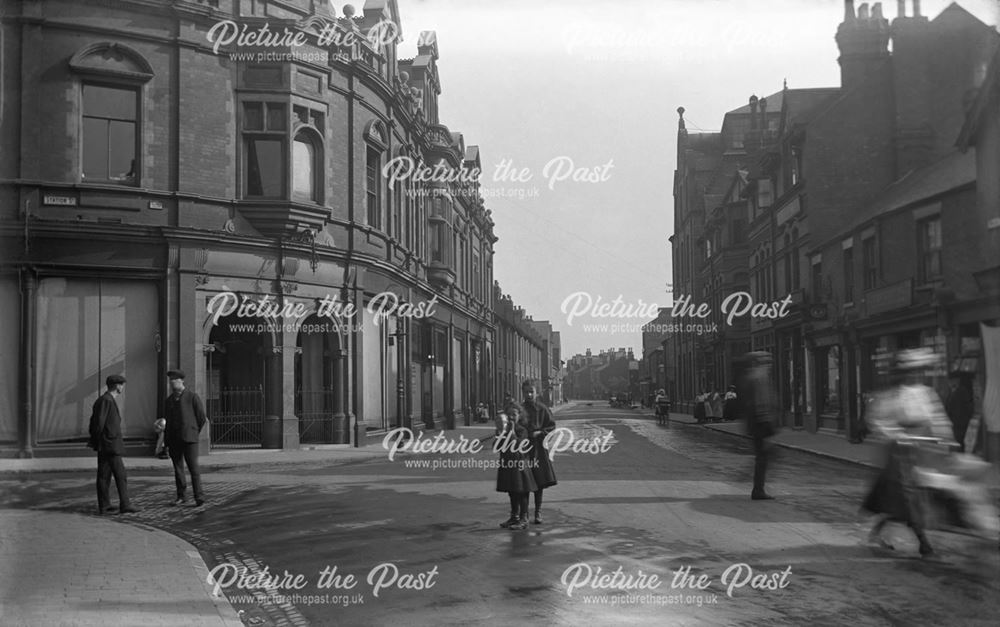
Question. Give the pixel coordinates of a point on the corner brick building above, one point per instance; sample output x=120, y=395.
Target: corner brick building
x=145, y=172
x=862, y=207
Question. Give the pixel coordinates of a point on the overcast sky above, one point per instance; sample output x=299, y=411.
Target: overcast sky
x=596, y=85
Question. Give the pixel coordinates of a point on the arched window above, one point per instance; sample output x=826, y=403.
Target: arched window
x=378, y=140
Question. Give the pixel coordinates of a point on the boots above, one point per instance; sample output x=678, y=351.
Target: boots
x=510, y=522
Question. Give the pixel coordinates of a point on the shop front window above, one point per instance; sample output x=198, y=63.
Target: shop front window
x=830, y=393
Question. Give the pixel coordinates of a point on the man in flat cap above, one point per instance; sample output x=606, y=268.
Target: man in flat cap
x=185, y=416
x=106, y=439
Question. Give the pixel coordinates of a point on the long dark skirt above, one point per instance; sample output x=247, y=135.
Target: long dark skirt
x=545, y=474
x=894, y=493
x=514, y=474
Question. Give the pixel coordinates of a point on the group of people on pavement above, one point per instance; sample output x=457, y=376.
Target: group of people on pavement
x=715, y=406
x=182, y=422
x=525, y=467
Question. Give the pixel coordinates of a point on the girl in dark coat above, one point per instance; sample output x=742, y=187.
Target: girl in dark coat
x=514, y=475
x=540, y=424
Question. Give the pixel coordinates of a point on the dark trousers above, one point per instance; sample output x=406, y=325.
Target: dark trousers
x=181, y=453
x=108, y=465
x=761, y=454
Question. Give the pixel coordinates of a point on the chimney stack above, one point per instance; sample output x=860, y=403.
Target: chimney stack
x=863, y=40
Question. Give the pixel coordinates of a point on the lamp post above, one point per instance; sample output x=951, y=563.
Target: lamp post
x=398, y=337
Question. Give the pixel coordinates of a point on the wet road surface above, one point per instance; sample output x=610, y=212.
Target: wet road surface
x=382, y=541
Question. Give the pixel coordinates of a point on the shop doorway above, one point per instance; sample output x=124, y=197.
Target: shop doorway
x=237, y=366
x=319, y=384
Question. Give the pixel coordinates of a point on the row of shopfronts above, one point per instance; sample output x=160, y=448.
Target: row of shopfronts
x=277, y=382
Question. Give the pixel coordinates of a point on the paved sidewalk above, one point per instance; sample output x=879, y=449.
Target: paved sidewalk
x=221, y=459
x=68, y=569
x=870, y=453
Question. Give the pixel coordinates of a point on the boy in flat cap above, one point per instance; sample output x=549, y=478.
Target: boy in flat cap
x=106, y=439
x=185, y=416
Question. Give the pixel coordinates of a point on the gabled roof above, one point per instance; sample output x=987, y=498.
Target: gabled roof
x=800, y=105
x=954, y=170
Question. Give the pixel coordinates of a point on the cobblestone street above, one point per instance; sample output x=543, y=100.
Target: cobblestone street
x=660, y=499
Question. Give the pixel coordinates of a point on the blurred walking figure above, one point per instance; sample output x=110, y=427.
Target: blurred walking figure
x=758, y=409
x=905, y=413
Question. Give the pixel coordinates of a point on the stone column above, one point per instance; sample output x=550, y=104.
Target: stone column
x=285, y=376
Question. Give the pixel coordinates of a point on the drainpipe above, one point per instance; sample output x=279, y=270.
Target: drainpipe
x=27, y=360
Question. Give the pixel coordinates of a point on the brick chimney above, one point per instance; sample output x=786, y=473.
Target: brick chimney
x=863, y=40
x=911, y=83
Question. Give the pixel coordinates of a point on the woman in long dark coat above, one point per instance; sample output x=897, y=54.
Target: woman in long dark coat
x=540, y=424
x=514, y=475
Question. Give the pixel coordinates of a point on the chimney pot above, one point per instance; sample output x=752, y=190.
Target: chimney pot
x=916, y=8
x=900, y=8
x=863, y=11
x=877, y=10
x=848, y=10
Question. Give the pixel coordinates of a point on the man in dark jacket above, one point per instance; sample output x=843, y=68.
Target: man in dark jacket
x=106, y=439
x=540, y=424
x=185, y=415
